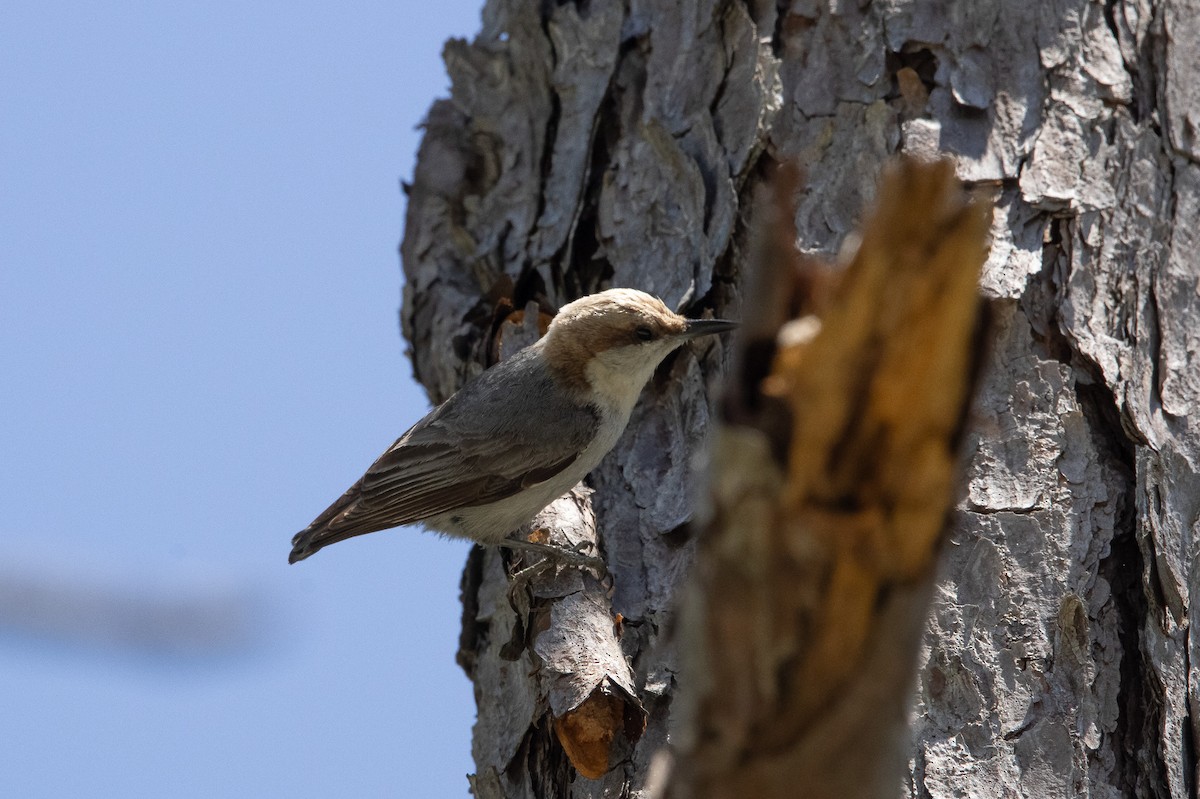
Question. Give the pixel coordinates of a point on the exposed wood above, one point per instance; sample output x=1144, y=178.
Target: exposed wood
x=805, y=616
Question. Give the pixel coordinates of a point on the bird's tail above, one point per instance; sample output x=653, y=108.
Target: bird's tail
x=328, y=528
x=316, y=537
x=305, y=543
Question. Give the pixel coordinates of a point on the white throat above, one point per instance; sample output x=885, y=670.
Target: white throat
x=618, y=375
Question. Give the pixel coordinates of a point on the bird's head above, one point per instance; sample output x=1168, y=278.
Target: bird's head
x=610, y=343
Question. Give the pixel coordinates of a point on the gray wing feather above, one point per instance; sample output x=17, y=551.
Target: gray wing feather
x=471, y=450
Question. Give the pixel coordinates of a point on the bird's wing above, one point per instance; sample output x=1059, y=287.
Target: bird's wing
x=415, y=480
x=458, y=456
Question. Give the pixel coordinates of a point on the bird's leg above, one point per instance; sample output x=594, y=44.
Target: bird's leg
x=554, y=557
x=521, y=580
x=566, y=557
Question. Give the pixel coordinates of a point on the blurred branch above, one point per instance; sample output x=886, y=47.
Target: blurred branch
x=184, y=619
x=833, y=483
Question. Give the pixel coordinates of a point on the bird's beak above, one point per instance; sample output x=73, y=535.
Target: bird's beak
x=706, y=327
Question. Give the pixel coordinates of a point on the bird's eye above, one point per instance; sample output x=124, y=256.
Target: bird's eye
x=644, y=333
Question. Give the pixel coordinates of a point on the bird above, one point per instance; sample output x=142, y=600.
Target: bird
x=519, y=435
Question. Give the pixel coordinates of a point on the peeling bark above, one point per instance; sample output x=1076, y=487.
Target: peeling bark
x=591, y=144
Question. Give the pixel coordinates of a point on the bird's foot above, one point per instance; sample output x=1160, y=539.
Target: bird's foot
x=554, y=558
x=573, y=557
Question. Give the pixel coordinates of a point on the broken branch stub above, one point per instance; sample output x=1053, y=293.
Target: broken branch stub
x=812, y=586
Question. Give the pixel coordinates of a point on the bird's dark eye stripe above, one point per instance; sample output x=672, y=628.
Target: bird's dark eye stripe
x=644, y=333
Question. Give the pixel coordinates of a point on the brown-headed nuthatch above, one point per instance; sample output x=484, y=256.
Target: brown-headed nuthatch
x=521, y=434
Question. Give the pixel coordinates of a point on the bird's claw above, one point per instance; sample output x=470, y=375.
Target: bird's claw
x=573, y=557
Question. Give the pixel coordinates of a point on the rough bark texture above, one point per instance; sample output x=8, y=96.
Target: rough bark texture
x=591, y=144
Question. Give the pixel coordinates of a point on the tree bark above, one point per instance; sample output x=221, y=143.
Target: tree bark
x=593, y=144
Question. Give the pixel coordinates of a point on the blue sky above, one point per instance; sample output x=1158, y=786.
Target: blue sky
x=199, y=350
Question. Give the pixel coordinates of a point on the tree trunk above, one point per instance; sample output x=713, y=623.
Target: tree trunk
x=593, y=144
